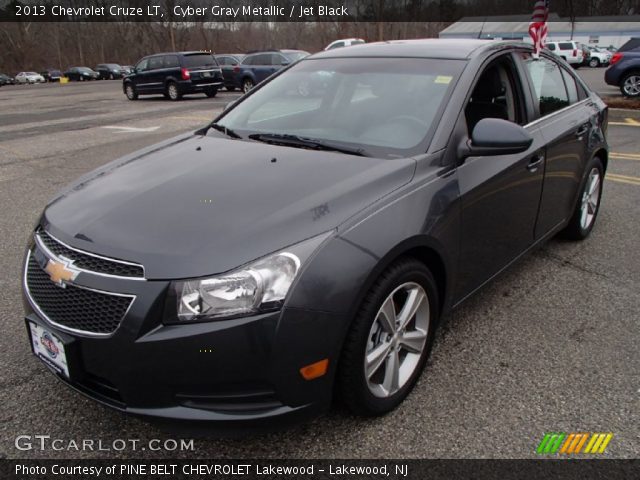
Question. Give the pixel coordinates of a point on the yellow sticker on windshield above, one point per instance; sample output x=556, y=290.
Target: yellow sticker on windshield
x=445, y=79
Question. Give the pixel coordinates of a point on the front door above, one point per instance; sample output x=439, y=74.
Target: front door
x=499, y=194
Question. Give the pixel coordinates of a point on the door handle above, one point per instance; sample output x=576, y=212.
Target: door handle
x=535, y=163
x=582, y=130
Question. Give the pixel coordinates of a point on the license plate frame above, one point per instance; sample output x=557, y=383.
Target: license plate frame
x=49, y=348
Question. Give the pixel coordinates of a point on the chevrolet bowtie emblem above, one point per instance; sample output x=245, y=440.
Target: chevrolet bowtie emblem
x=61, y=272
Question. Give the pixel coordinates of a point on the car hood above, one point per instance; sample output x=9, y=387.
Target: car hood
x=200, y=205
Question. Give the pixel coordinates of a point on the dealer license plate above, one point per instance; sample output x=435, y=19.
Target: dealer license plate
x=49, y=348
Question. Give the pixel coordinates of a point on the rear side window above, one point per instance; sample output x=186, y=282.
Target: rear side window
x=171, y=61
x=572, y=88
x=566, y=46
x=336, y=45
x=548, y=85
x=249, y=60
x=262, y=59
x=551, y=46
x=199, y=60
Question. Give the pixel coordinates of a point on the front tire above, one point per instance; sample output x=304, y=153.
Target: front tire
x=594, y=62
x=130, y=91
x=588, y=205
x=389, y=341
x=630, y=85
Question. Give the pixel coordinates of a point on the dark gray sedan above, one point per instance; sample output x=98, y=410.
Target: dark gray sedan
x=304, y=246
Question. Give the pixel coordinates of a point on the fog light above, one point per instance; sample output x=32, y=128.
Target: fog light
x=315, y=370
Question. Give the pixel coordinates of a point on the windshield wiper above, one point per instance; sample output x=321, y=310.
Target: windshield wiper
x=225, y=130
x=302, y=142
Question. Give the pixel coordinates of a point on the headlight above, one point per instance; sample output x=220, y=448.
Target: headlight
x=257, y=287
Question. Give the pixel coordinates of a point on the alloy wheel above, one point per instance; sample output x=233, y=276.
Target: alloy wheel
x=590, y=199
x=397, y=339
x=173, y=91
x=632, y=85
x=247, y=85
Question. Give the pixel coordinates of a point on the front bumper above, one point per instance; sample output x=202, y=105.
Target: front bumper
x=242, y=371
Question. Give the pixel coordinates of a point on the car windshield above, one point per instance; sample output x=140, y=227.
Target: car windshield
x=387, y=107
x=31, y=73
x=199, y=60
x=84, y=69
x=113, y=65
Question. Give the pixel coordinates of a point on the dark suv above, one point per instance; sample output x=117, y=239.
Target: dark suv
x=257, y=66
x=624, y=69
x=110, y=71
x=174, y=75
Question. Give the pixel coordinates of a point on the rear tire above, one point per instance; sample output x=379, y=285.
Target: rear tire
x=387, y=347
x=588, y=205
x=594, y=63
x=130, y=91
x=212, y=92
x=630, y=85
x=173, y=91
x=247, y=84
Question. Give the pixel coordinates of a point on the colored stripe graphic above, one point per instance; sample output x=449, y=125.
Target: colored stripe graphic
x=572, y=443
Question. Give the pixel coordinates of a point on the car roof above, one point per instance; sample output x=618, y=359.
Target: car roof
x=194, y=52
x=423, y=48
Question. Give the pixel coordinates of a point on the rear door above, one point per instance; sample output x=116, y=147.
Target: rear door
x=565, y=117
x=263, y=66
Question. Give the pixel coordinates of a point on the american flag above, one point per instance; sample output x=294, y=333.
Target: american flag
x=538, y=25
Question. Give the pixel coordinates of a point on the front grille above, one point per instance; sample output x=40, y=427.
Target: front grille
x=88, y=262
x=74, y=307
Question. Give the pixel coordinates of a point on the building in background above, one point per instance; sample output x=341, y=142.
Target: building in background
x=595, y=31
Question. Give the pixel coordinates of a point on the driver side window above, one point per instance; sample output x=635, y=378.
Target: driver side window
x=142, y=65
x=496, y=95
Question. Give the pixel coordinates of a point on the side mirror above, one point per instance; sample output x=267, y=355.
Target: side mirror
x=494, y=136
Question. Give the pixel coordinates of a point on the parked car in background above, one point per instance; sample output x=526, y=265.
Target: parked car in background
x=257, y=66
x=624, y=69
x=569, y=51
x=29, y=78
x=345, y=42
x=339, y=232
x=110, y=71
x=6, y=80
x=51, y=75
x=598, y=57
x=80, y=74
x=229, y=63
x=174, y=75
x=127, y=69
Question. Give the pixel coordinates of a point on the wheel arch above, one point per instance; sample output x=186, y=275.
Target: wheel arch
x=603, y=155
x=422, y=248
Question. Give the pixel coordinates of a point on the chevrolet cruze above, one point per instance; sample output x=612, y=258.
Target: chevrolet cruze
x=303, y=246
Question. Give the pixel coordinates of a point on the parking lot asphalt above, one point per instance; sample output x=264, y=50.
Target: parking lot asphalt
x=594, y=78
x=550, y=346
